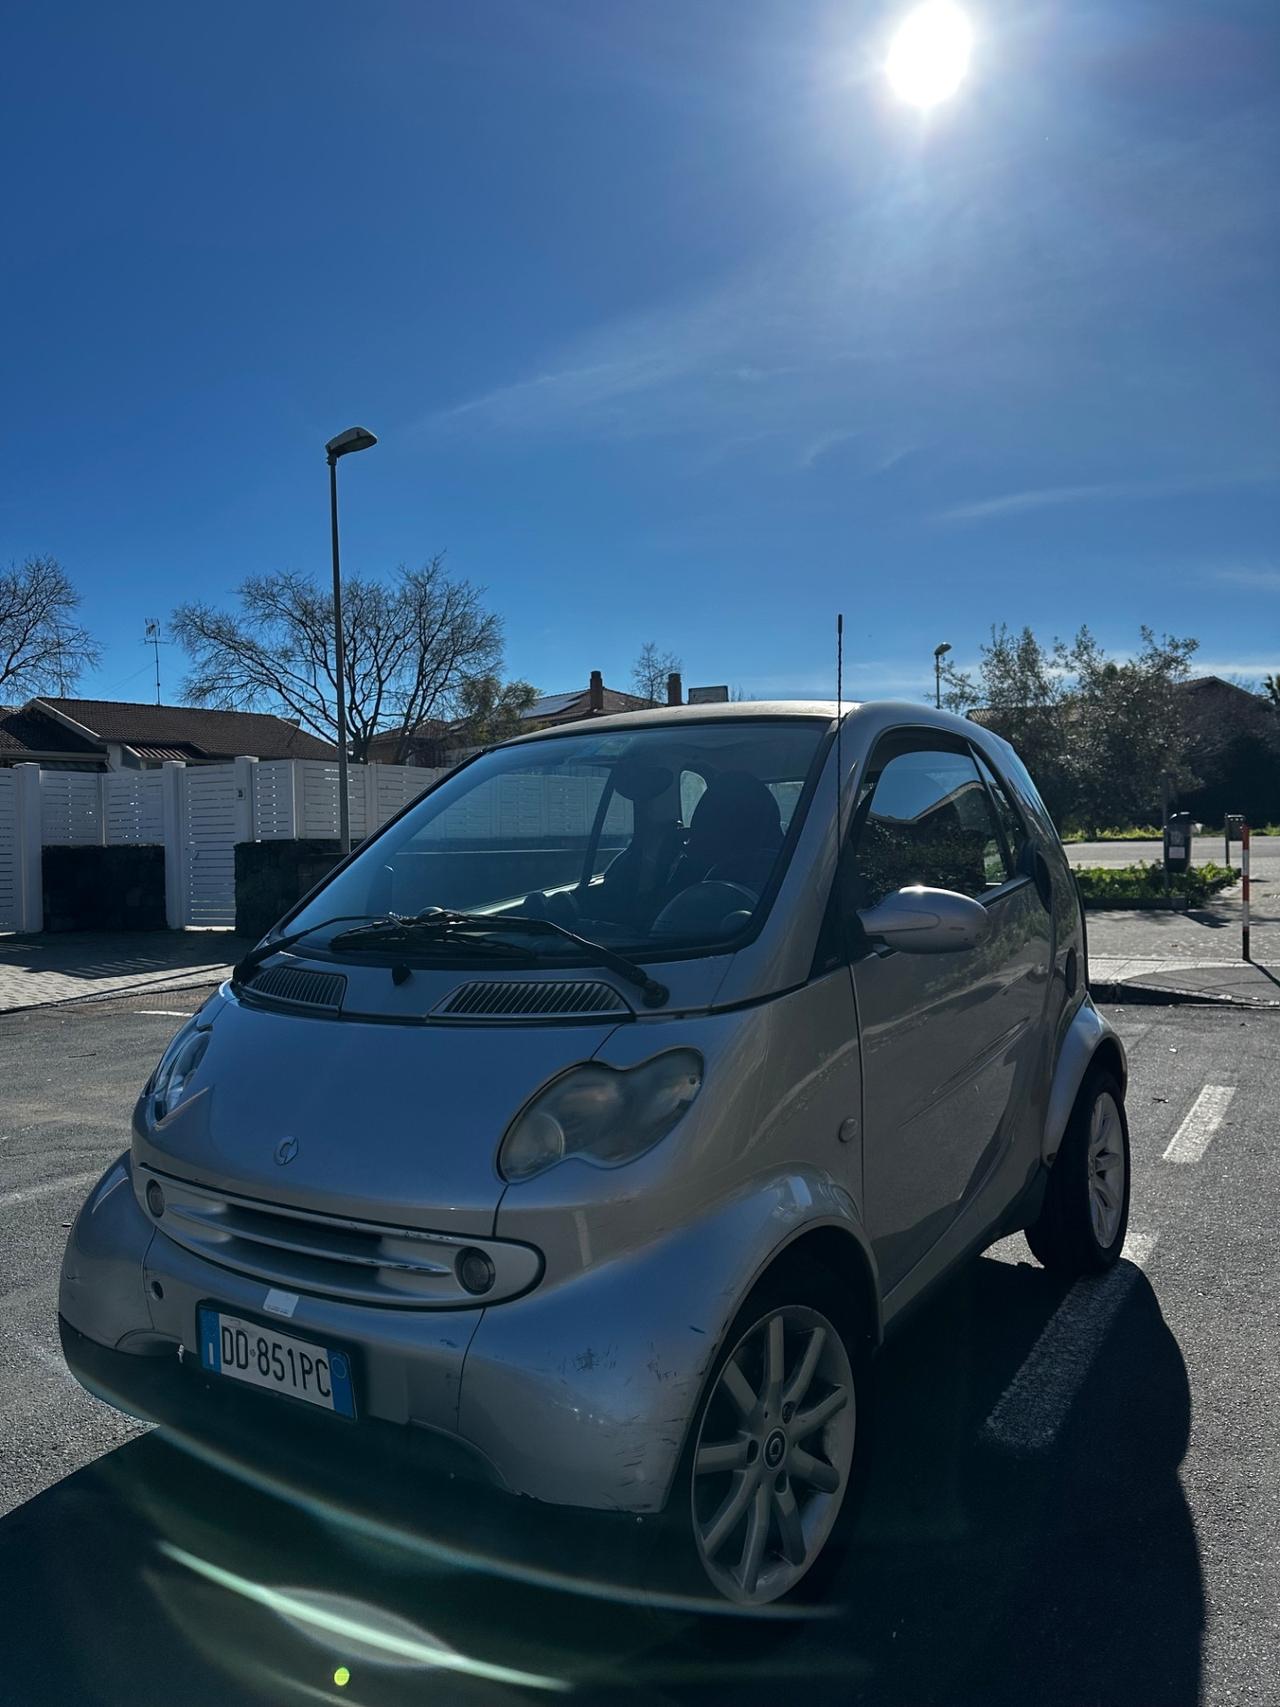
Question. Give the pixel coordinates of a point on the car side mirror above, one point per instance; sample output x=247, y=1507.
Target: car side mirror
x=926, y=921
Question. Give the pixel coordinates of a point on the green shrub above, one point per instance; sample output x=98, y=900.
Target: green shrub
x=1115, y=833
x=1145, y=881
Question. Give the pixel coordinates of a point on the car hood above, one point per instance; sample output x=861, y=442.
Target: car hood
x=389, y=1122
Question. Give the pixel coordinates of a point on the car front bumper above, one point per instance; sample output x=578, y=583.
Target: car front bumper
x=580, y=1393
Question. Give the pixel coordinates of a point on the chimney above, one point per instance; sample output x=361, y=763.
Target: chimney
x=675, y=689
x=595, y=694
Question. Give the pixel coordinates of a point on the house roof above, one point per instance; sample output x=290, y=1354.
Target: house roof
x=579, y=700
x=182, y=731
x=25, y=734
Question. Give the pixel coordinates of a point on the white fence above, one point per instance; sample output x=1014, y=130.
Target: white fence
x=196, y=813
x=109, y=809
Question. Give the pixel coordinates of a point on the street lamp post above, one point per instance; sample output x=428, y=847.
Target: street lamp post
x=939, y=652
x=355, y=438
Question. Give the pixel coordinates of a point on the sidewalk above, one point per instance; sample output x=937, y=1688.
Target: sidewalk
x=1236, y=982
x=35, y=970
x=1136, y=956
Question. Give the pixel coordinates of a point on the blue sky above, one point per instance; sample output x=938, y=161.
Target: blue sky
x=674, y=323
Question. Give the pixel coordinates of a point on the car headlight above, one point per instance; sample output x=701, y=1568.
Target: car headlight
x=607, y=1115
x=169, y=1082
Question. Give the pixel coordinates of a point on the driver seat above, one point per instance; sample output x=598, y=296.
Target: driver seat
x=734, y=835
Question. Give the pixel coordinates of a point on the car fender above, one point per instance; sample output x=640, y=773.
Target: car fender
x=582, y=1393
x=1086, y=1033
x=101, y=1291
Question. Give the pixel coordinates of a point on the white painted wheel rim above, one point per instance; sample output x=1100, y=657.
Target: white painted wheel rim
x=773, y=1455
x=1106, y=1170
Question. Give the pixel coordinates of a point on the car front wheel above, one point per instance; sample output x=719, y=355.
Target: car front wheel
x=773, y=1452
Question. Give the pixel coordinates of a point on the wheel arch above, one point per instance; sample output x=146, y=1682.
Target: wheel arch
x=837, y=1259
x=1090, y=1044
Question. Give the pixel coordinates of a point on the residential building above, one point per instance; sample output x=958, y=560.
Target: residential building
x=59, y=733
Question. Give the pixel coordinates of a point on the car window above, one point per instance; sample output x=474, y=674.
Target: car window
x=693, y=785
x=787, y=794
x=927, y=819
x=1015, y=831
x=514, y=834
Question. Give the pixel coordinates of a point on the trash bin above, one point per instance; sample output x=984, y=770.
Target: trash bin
x=1177, y=843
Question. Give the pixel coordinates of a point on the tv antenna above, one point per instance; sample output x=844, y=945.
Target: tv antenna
x=153, y=638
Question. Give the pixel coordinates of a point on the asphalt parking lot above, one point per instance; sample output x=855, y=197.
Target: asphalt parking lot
x=1075, y=1496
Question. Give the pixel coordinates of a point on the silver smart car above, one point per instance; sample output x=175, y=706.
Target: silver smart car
x=605, y=1110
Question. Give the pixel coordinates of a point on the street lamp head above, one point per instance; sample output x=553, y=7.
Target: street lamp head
x=940, y=651
x=355, y=438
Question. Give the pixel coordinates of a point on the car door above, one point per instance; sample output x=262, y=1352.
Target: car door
x=949, y=1041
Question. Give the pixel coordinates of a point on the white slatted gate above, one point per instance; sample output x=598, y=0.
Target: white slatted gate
x=8, y=851
x=214, y=819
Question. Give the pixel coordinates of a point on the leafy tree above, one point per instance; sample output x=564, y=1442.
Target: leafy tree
x=1021, y=693
x=1271, y=689
x=1101, y=736
x=411, y=647
x=1127, y=741
x=490, y=709
x=43, y=649
x=650, y=672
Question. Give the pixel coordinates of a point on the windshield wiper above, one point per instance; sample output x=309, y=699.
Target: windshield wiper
x=435, y=924
x=248, y=964
x=461, y=925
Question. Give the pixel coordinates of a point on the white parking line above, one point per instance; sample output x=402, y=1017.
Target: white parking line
x=1204, y=1117
x=166, y=1013
x=48, y=1188
x=1034, y=1406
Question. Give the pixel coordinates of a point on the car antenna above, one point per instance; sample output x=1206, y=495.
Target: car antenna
x=839, y=727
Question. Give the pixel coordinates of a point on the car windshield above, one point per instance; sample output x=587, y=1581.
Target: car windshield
x=653, y=840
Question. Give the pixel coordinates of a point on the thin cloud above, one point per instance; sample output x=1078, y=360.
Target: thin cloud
x=1044, y=498
x=1247, y=668
x=1105, y=492
x=1261, y=580
x=818, y=447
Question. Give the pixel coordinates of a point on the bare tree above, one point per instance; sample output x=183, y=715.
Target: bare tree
x=43, y=649
x=411, y=645
x=650, y=672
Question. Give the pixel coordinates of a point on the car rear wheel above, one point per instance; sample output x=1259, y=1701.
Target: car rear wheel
x=1082, y=1225
x=773, y=1452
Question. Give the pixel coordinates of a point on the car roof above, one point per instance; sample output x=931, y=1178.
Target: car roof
x=813, y=710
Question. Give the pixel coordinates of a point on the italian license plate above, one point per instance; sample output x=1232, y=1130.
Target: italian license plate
x=261, y=1357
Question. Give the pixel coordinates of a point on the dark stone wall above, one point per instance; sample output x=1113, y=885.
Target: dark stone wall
x=104, y=889
x=271, y=876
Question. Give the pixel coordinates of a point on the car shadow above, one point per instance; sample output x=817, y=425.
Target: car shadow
x=1066, y=1577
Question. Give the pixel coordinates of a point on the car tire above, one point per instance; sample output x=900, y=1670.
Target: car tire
x=766, y=1494
x=1085, y=1215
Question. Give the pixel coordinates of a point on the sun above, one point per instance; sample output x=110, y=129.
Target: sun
x=929, y=54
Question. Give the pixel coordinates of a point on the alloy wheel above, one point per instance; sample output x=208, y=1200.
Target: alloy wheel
x=1106, y=1170
x=773, y=1455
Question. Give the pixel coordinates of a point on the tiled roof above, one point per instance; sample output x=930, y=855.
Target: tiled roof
x=25, y=733
x=205, y=733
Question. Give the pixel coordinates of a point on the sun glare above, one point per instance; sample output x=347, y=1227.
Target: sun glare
x=929, y=54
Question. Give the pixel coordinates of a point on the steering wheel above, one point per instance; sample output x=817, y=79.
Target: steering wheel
x=712, y=907
x=560, y=907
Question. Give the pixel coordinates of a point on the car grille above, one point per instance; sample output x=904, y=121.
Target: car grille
x=363, y=1261
x=516, y=999
x=296, y=987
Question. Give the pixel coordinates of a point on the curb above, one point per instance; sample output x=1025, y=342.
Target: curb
x=115, y=995
x=1118, y=990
